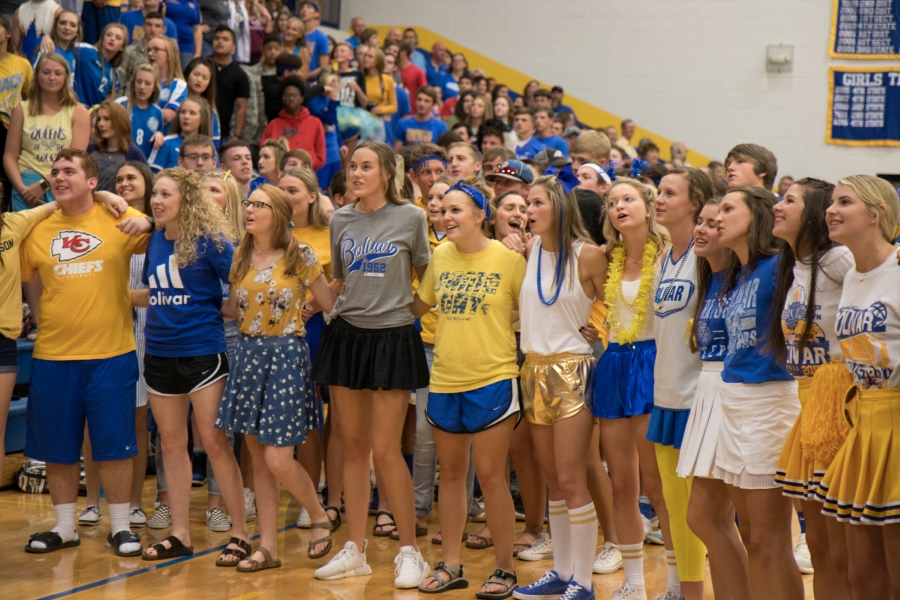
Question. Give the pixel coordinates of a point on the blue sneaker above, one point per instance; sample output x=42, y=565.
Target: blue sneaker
x=548, y=587
x=576, y=592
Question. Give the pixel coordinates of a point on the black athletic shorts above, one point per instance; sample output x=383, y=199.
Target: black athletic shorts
x=168, y=376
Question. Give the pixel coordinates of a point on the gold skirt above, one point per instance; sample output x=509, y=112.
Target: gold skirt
x=555, y=386
x=797, y=474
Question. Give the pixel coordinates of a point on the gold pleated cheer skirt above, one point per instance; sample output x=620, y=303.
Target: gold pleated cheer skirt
x=862, y=485
x=555, y=386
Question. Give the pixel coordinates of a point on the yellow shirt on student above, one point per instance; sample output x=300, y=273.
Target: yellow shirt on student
x=475, y=295
x=319, y=239
x=269, y=302
x=15, y=75
x=382, y=92
x=16, y=227
x=84, y=263
x=429, y=320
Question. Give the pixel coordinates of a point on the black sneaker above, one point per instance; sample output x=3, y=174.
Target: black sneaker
x=199, y=469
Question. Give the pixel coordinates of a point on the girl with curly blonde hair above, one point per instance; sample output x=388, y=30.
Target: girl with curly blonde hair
x=266, y=400
x=188, y=259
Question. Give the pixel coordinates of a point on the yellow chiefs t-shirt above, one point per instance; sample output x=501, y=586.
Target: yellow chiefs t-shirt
x=429, y=320
x=84, y=263
x=16, y=227
x=475, y=294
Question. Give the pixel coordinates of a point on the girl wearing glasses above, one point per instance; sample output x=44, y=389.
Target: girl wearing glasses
x=188, y=260
x=163, y=54
x=274, y=409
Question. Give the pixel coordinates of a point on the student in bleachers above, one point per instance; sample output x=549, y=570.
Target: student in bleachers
x=296, y=125
x=193, y=118
x=140, y=104
x=270, y=156
x=49, y=121
x=201, y=82
x=135, y=22
x=294, y=42
x=16, y=74
x=316, y=41
x=163, y=54
x=480, y=111
x=97, y=75
x=136, y=52
x=63, y=39
x=422, y=127
x=32, y=21
x=112, y=145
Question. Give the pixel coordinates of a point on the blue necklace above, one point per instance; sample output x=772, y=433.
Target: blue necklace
x=556, y=278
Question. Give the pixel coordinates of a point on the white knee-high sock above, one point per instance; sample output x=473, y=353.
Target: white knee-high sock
x=674, y=584
x=563, y=562
x=583, y=525
x=633, y=562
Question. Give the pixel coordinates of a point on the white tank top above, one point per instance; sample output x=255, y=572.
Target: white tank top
x=625, y=314
x=553, y=329
x=41, y=13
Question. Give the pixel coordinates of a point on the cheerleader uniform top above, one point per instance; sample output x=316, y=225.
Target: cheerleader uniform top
x=868, y=325
x=674, y=301
x=712, y=336
x=747, y=315
x=553, y=329
x=821, y=345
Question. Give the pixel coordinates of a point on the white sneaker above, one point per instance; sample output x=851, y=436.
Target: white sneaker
x=609, y=560
x=303, y=521
x=651, y=536
x=138, y=517
x=249, y=505
x=411, y=568
x=542, y=549
x=161, y=518
x=626, y=592
x=669, y=595
x=349, y=562
x=477, y=514
x=217, y=521
x=802, y=556
x=91, y=516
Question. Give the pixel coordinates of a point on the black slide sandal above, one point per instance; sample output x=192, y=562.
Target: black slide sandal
x=383, y=529
x=243, y=551
x=162, y=553
x=52, y=540
x=124, y=537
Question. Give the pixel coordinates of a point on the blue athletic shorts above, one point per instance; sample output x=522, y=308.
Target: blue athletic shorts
x=64, y=393
x=475, y=410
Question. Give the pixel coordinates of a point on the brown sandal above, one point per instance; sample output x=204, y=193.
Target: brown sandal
x=483, y=543
x=329, y=525
x=532, y=531
x=255, y=565
x=420, y=531
x=440, y=542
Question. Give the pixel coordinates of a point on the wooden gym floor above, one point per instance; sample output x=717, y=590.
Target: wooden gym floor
x=93, y=571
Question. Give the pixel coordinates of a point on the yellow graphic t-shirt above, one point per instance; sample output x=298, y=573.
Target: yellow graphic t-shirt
x=269, y=302
x=15, y=75
x=84, y=263
x=429, y=320
x=16, y=227
x=475, y=294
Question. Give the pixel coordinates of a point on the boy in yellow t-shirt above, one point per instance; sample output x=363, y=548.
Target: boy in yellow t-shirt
x=85, y=367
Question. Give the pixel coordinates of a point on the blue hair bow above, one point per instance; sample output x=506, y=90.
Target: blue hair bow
x=610, y=170
x=638, y=167
x=473, y=193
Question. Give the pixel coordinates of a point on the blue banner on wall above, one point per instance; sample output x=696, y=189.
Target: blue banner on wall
x=865, y=29
x=863, y=106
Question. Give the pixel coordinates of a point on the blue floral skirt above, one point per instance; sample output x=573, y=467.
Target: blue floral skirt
x=269, y=392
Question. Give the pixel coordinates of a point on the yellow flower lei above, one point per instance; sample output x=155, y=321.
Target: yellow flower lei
x=641, y=301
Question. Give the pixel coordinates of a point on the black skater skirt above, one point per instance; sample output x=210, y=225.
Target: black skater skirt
x=370, y=359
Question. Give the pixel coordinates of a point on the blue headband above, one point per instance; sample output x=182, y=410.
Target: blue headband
x=638, y=167
x=473, y=193
x=426, y=159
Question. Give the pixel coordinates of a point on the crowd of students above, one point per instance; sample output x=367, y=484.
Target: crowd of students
x=703, y=350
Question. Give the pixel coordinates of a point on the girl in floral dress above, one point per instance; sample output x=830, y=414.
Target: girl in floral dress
x=270, y=399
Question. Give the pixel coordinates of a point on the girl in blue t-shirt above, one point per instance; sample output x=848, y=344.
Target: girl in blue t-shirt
x=188, y=261
x=193, y=118
x=97, y=76
x=163, y=54
x=140, y=103
x=65, y=36
x=200, y=76
x=759, y=396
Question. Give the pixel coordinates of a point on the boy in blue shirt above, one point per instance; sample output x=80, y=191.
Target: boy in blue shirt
x=543, y=124
x=528, y=145
x=422, y=127
x=316, y=41
x=133, y=20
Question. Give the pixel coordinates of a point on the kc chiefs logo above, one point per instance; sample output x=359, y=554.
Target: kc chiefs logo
x=71, y=245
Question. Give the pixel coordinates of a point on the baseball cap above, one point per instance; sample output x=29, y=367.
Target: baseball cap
x=513, y=169
x=571, y=131
x=556, y=88
x=552, y=156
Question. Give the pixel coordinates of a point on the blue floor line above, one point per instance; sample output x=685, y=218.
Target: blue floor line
x=154, y=567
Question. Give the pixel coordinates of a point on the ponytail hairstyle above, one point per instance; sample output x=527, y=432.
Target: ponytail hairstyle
x=704, y=280
x=812, y=243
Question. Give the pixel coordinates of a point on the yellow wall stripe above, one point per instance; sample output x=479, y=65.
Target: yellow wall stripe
x=516, y=80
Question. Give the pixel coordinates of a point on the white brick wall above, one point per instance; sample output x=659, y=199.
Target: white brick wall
x=692, y=71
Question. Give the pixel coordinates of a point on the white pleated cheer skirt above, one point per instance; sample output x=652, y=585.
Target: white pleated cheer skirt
x=756, y=420
x=701, y=435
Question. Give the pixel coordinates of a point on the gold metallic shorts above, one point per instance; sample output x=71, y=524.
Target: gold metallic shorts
x=556, y=386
